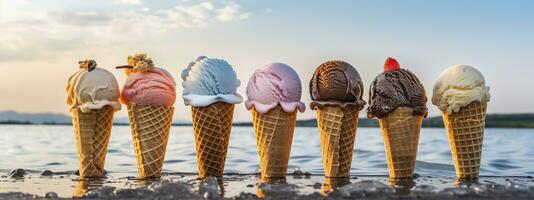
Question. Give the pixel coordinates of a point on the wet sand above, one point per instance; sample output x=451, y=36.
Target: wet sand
x=28, y=184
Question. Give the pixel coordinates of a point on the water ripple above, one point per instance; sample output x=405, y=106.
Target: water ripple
x=506, y=152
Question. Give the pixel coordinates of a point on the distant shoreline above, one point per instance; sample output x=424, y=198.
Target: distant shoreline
x=492, y=121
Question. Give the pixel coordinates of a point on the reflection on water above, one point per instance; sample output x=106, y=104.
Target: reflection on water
x=402, y=186
x=331, y=184
x=274, y=188
x=506, y=152
x=85, y=185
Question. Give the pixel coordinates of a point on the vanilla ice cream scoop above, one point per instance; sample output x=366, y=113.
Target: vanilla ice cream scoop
x=92, y=88
x=458, y=86
x=210, y=80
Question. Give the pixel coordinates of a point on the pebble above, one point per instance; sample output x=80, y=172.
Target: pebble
x=209, y=188
x=51, y=195
x=47, y=173
x=17, y=173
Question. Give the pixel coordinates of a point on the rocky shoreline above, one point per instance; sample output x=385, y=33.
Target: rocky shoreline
x=298, y=185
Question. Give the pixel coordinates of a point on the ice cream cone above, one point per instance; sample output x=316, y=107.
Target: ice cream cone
x=92, y=131
x=465, y=130
x=400, y=130
x=274, y=135
x=150, y=133
x=337, y=128
x=212, y=125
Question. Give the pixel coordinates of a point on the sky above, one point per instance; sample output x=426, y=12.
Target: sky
x=41, y=42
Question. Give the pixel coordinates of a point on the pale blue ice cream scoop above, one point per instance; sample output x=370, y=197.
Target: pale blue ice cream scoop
x=210, y=80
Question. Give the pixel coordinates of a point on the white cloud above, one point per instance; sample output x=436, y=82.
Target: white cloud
x=230, y=12
x=33, y=33
x=128, y=2
x=145, y=9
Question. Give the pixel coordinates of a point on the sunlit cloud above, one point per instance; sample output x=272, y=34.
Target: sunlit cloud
x=32, y=34
x=128, y=2
x=231, y=12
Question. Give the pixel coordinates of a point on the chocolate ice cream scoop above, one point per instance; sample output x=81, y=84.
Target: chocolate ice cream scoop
x=393, y=88
x=336, y=83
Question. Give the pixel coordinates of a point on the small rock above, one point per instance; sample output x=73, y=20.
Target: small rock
x=317, y=186
x=425, y=189
x=276, y=191
x=47, y=173
x=514, y=186
x=51, y=195
x=478, y=188
x=17, y=173
x=104, y=192
x=247, y=196
x=250, y=185
x=209, y=188
x=125, y=193
x=459, y=191
x=169, y=190
x=366, y=187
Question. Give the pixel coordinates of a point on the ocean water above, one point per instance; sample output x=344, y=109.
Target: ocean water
x=506, y=152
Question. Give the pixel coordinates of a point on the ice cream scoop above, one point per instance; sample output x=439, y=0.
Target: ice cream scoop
x=459, y=86
x=272, y=85
x=393, y=88
x=210, y=80
x=336, y=83
x=92, y=88
x=146, y=84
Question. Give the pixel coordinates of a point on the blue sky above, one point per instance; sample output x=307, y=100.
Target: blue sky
x=41, y=42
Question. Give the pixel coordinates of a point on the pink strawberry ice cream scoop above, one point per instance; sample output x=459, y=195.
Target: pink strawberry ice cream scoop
x=148, y=85
x=272, y=85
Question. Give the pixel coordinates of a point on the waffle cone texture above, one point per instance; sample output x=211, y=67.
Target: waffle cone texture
x=274, y=135
x=150, y=133
x=212, y=125
x=337, y=129
x=92, y=131
x=400, y=131
x=465, y=130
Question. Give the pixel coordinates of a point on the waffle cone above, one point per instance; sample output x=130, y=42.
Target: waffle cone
x=400, y=130
x=92, y=131
x=150, y=133
x=274, y=135
x=212, y=125
x=337, y=127
x=465, y=130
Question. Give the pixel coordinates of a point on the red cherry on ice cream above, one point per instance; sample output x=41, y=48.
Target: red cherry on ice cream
x=391, y=64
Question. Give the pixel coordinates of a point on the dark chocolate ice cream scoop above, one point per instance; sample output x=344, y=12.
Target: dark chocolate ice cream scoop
x=336, y=83
x=393, y=88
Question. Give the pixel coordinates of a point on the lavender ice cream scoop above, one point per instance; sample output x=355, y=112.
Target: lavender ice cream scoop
x=272, y=85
